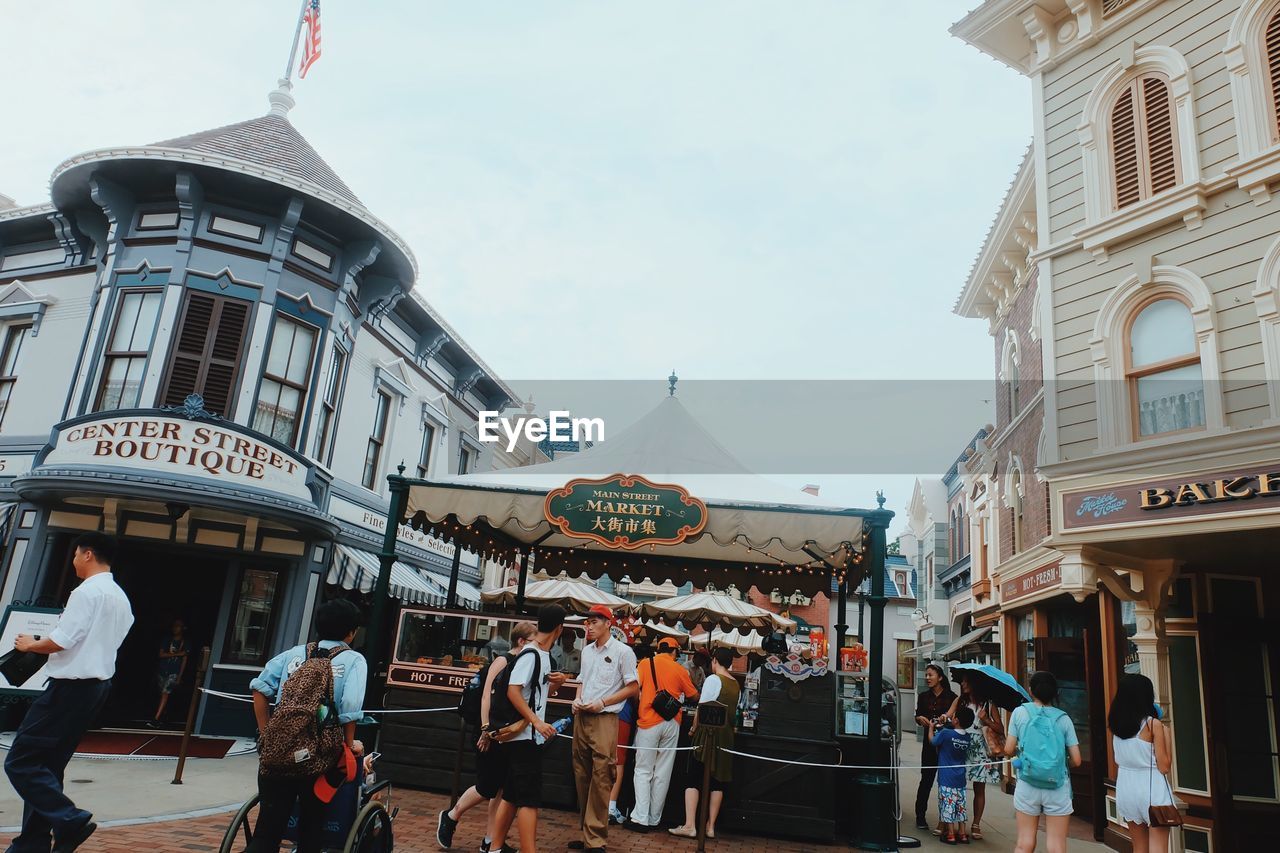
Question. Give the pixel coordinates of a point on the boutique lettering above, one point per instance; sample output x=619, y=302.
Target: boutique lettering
x=213, y=451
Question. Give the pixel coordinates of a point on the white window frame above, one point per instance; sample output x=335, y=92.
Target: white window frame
x=1104, y=225
x=1258, y=161
x=1107, y=349
x=1266, y=300
x=1208, y=762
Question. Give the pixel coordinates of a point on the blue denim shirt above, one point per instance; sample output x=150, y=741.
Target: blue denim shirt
x=350, y=672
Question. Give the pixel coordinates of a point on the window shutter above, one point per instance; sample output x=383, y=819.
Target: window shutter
x=1273, y=68
x=1157, y=119
x=206, y=354
x=1124, y=150
x=188, y=351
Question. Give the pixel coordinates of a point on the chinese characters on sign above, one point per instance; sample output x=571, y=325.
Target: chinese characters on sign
x=625, y=511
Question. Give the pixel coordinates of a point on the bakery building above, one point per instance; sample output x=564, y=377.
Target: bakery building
x=213, y=350
x=1154, y=165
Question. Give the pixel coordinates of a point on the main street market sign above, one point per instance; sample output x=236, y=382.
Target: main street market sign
x=1211, y=494
x=625, y=511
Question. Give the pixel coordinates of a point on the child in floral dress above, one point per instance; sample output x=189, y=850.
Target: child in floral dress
x=953, y=740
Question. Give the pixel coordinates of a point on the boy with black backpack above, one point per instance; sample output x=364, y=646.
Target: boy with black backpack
x=491, y=764
x=519, y=726
x=319, y=690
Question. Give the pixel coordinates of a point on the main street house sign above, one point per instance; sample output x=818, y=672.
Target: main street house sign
x=1210, y=494
x=625, y=511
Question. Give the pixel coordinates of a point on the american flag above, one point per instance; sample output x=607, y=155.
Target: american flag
x=311, y=43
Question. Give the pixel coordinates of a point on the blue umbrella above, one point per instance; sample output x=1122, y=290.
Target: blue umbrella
x=994, y=684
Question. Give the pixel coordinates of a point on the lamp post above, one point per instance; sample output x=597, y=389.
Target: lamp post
x=399, y=488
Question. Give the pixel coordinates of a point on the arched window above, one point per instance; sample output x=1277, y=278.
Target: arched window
x=1015, y=510
x=1009, y=373
x=1271, y=56
x=1144, y=159
x=1162, y=366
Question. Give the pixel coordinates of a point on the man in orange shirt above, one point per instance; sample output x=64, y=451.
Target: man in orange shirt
x=657, y=737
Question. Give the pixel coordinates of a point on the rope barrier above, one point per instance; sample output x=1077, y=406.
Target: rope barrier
x=240, y=697
x=246, y=698
x=645, y=748
x=857, y=766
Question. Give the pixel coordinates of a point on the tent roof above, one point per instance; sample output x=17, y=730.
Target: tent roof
x=754, y=526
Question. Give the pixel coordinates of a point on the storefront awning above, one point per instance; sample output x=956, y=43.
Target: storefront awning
x=356, y=569
x=965, y=641
x=752, y=528
x=468, y=595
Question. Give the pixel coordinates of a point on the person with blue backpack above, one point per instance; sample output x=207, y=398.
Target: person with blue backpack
x=1042, y=741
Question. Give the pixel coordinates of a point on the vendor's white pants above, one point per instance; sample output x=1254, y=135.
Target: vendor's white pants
x=653, y=770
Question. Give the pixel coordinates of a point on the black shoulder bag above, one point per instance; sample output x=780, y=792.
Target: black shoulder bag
x=664, y=704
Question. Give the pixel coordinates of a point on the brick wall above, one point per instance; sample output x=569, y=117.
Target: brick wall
x=816, y=613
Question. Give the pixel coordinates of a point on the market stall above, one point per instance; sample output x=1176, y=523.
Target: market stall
x=664, y=501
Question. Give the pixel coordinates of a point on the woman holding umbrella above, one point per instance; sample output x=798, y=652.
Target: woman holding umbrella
x=984, y=765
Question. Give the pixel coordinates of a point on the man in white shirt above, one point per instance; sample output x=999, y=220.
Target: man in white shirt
x=608, y=680
x=82, y=659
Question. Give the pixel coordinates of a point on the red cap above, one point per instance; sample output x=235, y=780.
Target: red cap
x=668, y=643
x=600, y=611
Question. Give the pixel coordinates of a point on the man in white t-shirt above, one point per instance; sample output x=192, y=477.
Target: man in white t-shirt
x=82, y=659
x=608, y=680
x=530, y=683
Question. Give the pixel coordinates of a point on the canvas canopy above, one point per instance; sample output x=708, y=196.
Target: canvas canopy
x=755, y=528
x=574, y=596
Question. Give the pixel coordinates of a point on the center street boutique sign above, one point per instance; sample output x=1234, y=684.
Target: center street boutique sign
x=1219, y=492
x=161, y=444
x=625, y=511
x=1025, y=585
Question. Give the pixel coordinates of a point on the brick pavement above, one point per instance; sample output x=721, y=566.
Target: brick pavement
x=415, y=833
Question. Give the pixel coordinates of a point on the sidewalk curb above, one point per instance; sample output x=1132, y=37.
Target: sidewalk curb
x=164, y=818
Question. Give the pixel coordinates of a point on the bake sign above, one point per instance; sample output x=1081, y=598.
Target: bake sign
x=157, y=443
x=1218, y=492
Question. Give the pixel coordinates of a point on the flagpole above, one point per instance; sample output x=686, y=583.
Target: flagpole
x=293, y=48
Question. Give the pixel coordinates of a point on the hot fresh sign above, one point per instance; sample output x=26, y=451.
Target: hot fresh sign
x=173, y=446
x=1031, y=582
x=625, y=511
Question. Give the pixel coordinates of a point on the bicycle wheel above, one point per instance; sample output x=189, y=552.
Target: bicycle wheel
x=241, y=825
x=371, y=832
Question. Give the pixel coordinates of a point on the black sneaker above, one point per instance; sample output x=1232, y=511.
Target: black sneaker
x=921, y=823
x=506, y=848
x=445, y=827
x=75, y=838
x=636, y=827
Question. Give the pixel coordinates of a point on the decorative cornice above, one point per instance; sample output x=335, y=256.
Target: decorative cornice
x=243, y=167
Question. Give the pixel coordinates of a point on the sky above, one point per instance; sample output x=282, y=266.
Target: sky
x=734, y=188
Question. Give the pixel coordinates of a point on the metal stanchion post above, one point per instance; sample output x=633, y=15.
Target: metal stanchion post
x=704, y=800
x=191, y=715
x=457, y=763
x=904, y=841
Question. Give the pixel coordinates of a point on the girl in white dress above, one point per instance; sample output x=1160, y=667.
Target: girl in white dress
x=1143, y=755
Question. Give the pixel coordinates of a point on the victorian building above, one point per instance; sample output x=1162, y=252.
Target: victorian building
x=1155, y=155
x=214, y=350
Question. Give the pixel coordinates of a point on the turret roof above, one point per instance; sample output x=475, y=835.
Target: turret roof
x=270, y=141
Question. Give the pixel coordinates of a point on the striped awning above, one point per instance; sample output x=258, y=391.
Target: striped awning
x=468, y=595
x=356, y=569
x=961, y=644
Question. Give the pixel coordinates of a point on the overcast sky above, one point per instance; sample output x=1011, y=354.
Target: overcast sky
x=599, y=190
